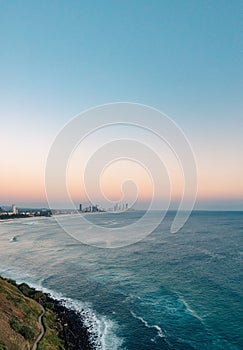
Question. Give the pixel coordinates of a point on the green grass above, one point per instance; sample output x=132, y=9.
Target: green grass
x=51, y=340
x=19, y=312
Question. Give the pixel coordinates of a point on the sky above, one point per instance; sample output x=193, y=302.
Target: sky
x=60, y=58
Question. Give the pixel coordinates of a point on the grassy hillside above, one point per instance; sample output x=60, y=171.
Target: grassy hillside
x=19, y=314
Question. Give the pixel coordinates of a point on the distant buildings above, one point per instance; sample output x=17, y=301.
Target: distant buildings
x=90, y=209
x=14, y=209
x=121, y=207
x=14, y=212
x=96, y=208
x=4, y=211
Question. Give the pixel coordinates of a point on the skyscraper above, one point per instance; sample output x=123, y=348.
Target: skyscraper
x=14, y=209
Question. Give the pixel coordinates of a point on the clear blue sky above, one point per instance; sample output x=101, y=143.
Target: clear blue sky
x=182, y=57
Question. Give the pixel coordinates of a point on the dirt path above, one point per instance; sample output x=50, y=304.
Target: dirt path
x=41, y=327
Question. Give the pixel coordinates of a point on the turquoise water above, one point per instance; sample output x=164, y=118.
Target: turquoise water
x=169, y=291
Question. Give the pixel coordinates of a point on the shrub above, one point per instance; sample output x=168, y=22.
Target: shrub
x=49, y=305
x=11, y=281
x=24, y=330
x=27, y=332
x=39, y=296
x=26, y=290
x=15, y=325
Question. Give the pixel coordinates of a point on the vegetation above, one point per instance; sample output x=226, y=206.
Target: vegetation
x=27, y=333
x=19, y=312
x=16, y=326
x=51, y=340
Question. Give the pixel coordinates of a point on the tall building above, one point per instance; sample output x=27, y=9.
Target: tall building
x=14, y=209
x=80, y=207
x=94, y=208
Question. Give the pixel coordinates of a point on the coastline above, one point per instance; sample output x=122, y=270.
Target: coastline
x=74, y=333
x=67, y=323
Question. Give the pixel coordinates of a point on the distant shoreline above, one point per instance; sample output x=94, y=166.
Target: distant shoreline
x=24, y=216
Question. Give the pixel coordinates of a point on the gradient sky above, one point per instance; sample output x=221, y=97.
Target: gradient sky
x=184, y=58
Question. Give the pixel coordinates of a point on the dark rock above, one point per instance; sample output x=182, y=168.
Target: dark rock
x=74, y=333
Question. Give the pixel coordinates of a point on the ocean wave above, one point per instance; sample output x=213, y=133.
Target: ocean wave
x=189, y=309
x=102, y=330
x=130, y=297
x=158, y=329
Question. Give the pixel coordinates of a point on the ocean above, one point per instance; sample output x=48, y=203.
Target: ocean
x=168, y=291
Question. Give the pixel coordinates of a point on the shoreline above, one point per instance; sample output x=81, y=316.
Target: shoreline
x=72, y=331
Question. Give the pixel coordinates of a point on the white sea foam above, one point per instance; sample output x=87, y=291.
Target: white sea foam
x=102, y=330
x=158, y=329
x=189, y=309
x=131, y=297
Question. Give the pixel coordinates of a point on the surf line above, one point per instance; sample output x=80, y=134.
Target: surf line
x=158, y=329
